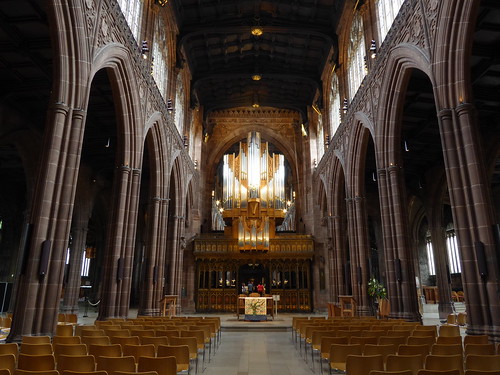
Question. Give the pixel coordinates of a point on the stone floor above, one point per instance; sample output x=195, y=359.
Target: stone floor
x=262, y=348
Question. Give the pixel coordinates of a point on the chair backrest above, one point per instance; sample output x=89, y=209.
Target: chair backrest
x=444, y=362
x=169, y=332
x=363, y=364
x=142, y=332
x=28, y=372
x=404, y=362
x=426, y=340
x=339, y=352
x=96, y=340
x=125, y=340
x=482, y=362
x=138, y=351
x=414, y=349
x=180, y=352
x=92, y=332
x=162, y=365
x=8, y=361
x=155, y=340
x=191, y=342
x=479, y=372
x=64, y=330
x=112, y=364
x=481, y=349
x=326, y=343
x=449, y=340
x=449, y=330
x=462, y=319
x=68, y=372
x=76, y=363
x=69, y=349
x=445, y=349
x=476, y=339
x=36, y=362
x=113, y=350
x=66, y=340
x=36, y=339
x=36, y=348
x=395, y=340
x=438, y=372
x=383, y=350
x=117, y=332
x=9, y=348
x=399, y=372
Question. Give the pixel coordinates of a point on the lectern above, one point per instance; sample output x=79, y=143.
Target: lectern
x=347, y=306
x=168, y=305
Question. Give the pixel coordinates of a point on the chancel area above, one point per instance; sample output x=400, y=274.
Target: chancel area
x=168, y=157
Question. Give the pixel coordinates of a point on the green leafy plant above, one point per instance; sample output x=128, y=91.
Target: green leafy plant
x=376, y=289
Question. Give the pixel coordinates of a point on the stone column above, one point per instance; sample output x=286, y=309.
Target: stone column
x=399, y=255
x=473, y=217
x=176, y=256
x=442, y=271
x=152, y=285
x=336, y=256
x=39, y=284
x=358, y=248
x=117, y=278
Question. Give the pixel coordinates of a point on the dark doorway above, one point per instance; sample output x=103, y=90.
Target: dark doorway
x=256, y=273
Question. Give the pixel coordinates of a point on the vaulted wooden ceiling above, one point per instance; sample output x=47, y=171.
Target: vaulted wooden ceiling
x=223, y=54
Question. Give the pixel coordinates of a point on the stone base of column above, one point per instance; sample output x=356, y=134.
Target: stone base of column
x=69, y=309
x=364, y=311
x=492, y=331
x=149, y=312
x=406, y=315
x=444, y=309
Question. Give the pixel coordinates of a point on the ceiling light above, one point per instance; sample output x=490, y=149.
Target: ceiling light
x=257, y=31
x=255, y=105
x=256, y=77
x=373, y=49
x=162, y=3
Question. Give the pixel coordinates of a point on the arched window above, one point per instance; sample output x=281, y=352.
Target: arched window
x=334, y=106
x=179, y=104
x=132, y=9
x=321, y=138
x=430, y=254
x=387, y=10
x=160, y=57
x=356, y=55
x=452, y=248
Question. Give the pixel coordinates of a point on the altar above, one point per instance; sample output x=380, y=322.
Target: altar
x=256, y=308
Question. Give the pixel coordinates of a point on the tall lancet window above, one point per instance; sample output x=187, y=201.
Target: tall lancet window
x=160, y=56
x=179, y=103
x=387, y=10
x=356, y=55
x=334, y=106
x=132, y=10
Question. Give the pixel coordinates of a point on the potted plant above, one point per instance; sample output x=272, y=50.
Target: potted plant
x=377, y=291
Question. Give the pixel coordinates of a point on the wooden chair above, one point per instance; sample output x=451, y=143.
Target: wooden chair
x=9, y=348
x=142, y=332
x=405, y=362
x=363, y=364
x=383, y=350
x=476, y=339
x=451, y=319
x=117, y=332
x=113, y=350
x=125, y=340
x=29, y=372
x=479, y=372
x=8, y=361
x=67, y=372
x=426, y=340
x=36, y=340
x=92, y=332
x=76, y=363
x=113, y=364
x=363, y=341
x=138, y=351
x=483, y=362
x=400, y=372
x=443, y=349
x=462, y=319
x=6, y=371
x=449, y=340
x=136, y=373
x=169, y=333
x=347, y=306
x=479, y=349
x=162, y=365
x=438, y=372
x=444, y=362
x=64, y=330
x=96, y=340
x=326, y=343
x=69, y=349
x=405, y=334
x=180, y=352
x=395, y=340
x=66, y=340
x=192, y=344
x=449, y=330
x=36, y=362
x=423, y=350
x=36, y=349
x=155, y=340
x=338, y=355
